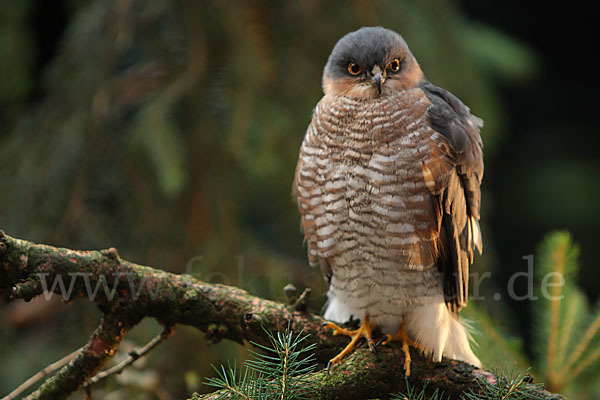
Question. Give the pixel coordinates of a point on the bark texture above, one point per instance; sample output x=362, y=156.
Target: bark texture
x=126, y=293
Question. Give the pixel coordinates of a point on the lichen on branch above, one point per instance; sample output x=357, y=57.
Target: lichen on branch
x=126, y=293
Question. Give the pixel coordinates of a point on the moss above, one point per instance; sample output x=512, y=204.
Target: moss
x=219, y=310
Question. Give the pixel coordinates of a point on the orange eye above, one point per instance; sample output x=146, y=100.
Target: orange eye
x=394, y=66
x=354, y=69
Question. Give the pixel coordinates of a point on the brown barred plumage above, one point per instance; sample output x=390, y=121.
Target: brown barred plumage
x=387, y=184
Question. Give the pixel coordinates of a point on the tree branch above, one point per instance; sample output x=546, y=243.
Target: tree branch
x=133, y=357
x=126, y=293
x=102, y=346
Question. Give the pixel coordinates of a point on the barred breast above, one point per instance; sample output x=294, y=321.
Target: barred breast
x=363, y=185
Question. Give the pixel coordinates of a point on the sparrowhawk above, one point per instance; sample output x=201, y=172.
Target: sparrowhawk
x=388, y=187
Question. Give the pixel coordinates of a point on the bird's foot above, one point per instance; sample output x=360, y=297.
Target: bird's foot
x=402, y=336
x=364, y=331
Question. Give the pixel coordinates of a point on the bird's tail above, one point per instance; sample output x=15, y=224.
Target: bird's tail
x=441, y=333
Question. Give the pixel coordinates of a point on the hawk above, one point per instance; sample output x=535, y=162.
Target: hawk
x=388, y=187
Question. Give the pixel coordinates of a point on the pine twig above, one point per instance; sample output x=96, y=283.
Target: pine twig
x=558, y=259
x=581, y=346
x=133, y=357
x=101, y=347
x=50, y=369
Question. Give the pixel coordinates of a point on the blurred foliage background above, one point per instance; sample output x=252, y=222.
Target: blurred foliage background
x=170, y=130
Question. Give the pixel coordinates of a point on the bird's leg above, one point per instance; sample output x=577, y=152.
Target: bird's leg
x=364, y=331
x=402, y=336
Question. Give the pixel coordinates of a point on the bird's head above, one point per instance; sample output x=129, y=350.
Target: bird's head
x=370, y=62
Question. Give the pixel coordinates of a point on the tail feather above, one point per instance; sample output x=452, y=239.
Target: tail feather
x=441, y=333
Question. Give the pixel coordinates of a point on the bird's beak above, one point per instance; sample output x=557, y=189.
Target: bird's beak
x=378, y=78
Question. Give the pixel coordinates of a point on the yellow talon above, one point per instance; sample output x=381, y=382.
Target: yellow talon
x=364, y=331
x=402, y=336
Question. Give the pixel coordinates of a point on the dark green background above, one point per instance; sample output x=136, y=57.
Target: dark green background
x=170, y=130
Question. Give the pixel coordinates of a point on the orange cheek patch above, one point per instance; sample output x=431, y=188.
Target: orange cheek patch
x=406, y=80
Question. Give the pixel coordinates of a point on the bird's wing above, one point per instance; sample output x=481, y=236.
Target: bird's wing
x=304, y=180
x=456, y=193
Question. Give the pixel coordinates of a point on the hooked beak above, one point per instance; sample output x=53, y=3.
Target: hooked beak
x=378, y=78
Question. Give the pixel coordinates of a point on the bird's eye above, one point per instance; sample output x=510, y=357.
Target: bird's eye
x=394, y=66
x=354, y=69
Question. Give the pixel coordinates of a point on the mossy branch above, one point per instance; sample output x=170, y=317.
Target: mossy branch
x=126, y=293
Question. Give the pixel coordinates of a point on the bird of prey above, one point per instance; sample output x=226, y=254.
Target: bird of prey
x=388, y=187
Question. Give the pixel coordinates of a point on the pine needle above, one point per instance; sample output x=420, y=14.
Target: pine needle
x=278, y=372
x=412, y=393
x=582, y=346
x=557, y=257
x=513, y=386
x=558, y=260
x=573, y=305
